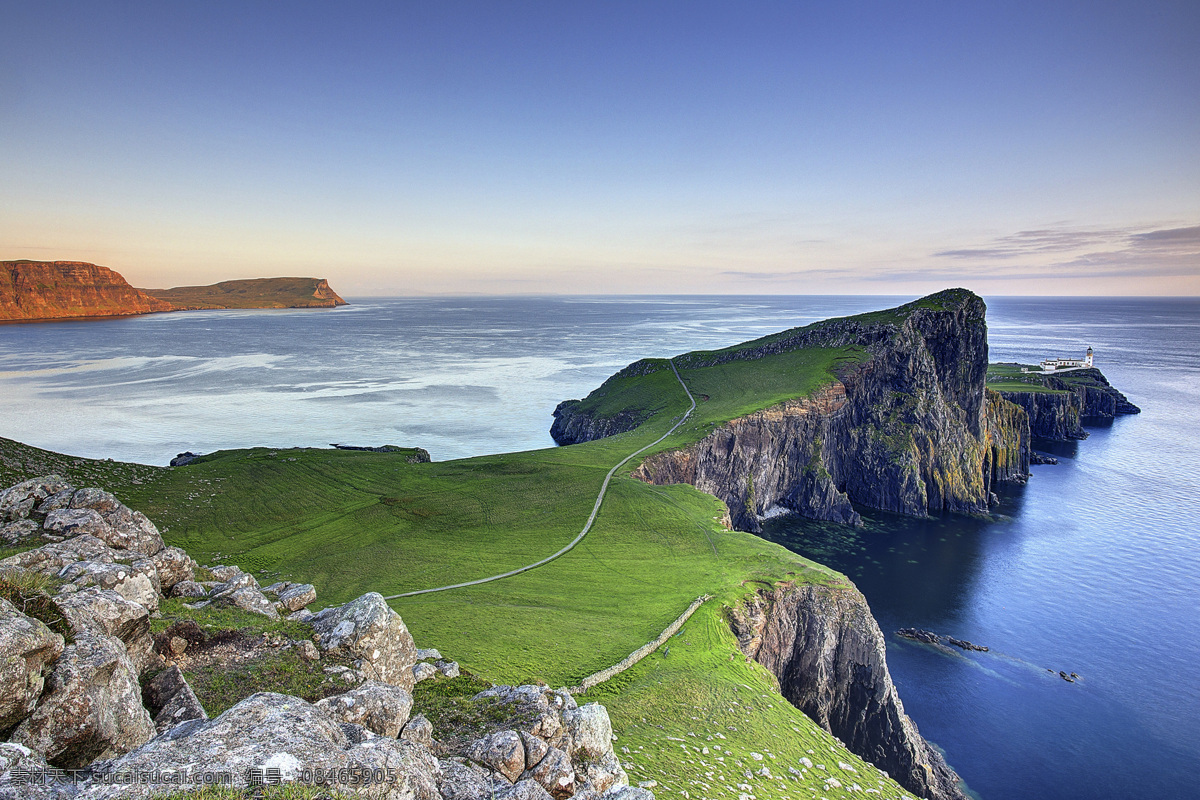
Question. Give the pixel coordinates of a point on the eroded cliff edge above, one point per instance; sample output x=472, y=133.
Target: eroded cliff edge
x=1059, y=405
x=35, y=290
x=911, y=429
x=826, y=650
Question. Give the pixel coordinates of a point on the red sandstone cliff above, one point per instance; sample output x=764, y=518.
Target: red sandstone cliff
x=31, y=290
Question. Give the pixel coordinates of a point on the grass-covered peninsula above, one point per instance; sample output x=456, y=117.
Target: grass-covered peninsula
x=699, y=716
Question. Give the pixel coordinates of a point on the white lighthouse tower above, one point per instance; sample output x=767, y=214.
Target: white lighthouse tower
x=1089, y=356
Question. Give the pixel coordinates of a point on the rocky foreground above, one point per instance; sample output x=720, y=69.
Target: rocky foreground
x=95, y=707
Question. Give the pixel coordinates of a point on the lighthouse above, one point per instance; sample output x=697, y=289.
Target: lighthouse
x=1089, y=357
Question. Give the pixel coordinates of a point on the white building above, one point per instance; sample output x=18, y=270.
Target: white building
x=1058, y=364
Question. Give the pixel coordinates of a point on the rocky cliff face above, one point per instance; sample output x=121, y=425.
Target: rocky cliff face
x=1078, y=396
x=910, y=431
x=828, y=654
x=32, y=290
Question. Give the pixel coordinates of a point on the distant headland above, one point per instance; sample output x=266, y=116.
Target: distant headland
x=46, y=290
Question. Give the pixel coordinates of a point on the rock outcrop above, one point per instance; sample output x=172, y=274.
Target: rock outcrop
x=909, y=430
x=82, y=705
x=828, y=654
x=32, y=290
x=253, y=293
x=1075, y=398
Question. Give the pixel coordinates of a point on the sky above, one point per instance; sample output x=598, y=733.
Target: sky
x=412, y=148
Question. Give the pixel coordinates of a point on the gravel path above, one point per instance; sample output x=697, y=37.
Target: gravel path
x=591, y=519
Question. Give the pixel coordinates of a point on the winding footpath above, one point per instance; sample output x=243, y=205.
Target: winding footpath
x=591, y=519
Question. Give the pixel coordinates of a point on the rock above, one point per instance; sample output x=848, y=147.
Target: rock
x=590, y=731
x=104, y=612
x=1042, y=458
x=27, y=649
x=829, y=656
x=248, y=599
x=60, y=499
x=448, y=669
x=535, y=749
x=188, y=589
x=307, y=650
x=49, y=559
x=423, y=672
x=275, y=588
x=268, y=731
x=17, y=501
x=378, y=707
x=524, y=790
x=428, y=654
x=171, y=699
x=183, y=459
x=25, y=775
x=419, y=730
x=501, y=751
x=16, y=532
x=463, y=780
x=78, y=521
x=629, y=793
x=137, y=584
x=92, y=707
x=173, y=566
x=177, y=645
x=297, y=596
x=127, y=529
x=553, y=772
x=370, y=632
x=223, y=572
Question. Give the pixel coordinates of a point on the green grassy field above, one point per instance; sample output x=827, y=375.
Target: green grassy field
x=1009, y=378
x=252, y=293
x=351, y=522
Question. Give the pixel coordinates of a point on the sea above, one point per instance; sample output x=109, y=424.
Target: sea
x=1092, y=568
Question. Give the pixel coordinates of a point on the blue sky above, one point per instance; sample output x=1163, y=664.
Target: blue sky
x=413, y=148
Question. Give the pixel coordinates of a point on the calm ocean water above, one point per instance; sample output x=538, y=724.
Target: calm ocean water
x=1092, y=568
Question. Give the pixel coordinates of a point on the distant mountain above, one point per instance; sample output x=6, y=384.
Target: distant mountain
x=32, y=290
x=42, y=290
x=254, y=293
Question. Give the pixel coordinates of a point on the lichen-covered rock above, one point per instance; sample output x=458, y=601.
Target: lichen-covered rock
x=25, y=775
x=49, y=559
x=241, y=591
x=501, y=751
x=370, y=632
x=136, y=582
x=104, y=612
x=419, y=730
x=92, y=706
x=378, y=707
x=171, y=699
x=465, y=780
x=225, y=572
x=268, y=731
x=188, y=589
x=17, y=501
x=297, y=596
x=590, y=730
x=27, y=648
x=173, y=566
x=524, y=790
x=97, y=513
x=423, y=672
x=19, y=531
x=554, y=771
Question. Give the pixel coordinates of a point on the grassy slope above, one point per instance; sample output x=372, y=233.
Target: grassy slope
x=1009, y=378
x=351, y=522
x=254, y=293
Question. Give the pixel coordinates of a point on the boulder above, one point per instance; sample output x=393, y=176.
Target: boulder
x=241, y=591
x=629, y=793
x=173, y=566
x=19, y=531
x=501, y=751
x=428, y=654
x=553, y=772
x=188, y=589
x=27, y=648
x=71, y=522
x=285, y=735
x=17, y=501
x=368, y=631
x=378, y=707
x=171, y=699
x=92, y=707
x=464, y=780
x=60, y=499
x=590, y=730
x=136, y=583
x=25, y=775
x=448, y=668
x=104, y=612
x=49, y=559
x=296, y=597
x=419, y=730
x=535, y=749
x=224, y=572
x=423, y=671
x=524, y=790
